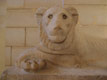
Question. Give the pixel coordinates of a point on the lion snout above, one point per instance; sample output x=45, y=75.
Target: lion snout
x=57, y=28
x=56, y=33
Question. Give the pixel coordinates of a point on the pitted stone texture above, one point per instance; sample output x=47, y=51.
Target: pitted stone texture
x=8, y=56
x=55, y=74
x=39, y=3
x=15, y=3
x=15, y=36
x=85, y=1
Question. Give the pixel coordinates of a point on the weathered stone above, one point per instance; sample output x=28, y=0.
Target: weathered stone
x=63, y=45
x=21, y=18
x=15, y=36
x=16, y=51
x=14, y=73
x=8, y=56
x=32, y=36
x=15, y=3
x=85, y=2
x=43, y=3
x=91, y=15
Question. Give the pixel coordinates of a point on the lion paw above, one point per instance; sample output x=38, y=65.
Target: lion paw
x=32, y=64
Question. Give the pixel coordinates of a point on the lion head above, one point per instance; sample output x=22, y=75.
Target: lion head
x=57, y=26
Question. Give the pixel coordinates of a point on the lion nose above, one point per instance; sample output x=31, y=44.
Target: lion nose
x=57, y=28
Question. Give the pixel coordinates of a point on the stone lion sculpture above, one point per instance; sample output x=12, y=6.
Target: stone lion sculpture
x=60, y=43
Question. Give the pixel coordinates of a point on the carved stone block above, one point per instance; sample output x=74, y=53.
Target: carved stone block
x=56, y=74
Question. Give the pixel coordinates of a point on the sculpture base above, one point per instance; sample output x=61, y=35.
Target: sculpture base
x=14, y=73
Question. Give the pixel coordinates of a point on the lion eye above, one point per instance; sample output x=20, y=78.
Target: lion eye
x=64, y=16
x=50, y=16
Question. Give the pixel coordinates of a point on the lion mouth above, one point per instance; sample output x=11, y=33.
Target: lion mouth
x=58, y=40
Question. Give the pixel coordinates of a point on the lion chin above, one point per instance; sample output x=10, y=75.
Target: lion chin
x=57, y=39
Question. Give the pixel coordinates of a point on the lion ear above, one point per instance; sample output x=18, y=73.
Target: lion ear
x=39, y=14
x=74, y=14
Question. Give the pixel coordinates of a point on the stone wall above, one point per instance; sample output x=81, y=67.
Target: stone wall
x=2, y=33
x=22, y=30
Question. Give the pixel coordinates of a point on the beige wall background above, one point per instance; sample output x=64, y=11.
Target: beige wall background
x=2, y=34
x=2, y=50
x=22, y=30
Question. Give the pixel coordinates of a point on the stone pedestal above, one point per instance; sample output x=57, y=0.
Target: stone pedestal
x=14, y=73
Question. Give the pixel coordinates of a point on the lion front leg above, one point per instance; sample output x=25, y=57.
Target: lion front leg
x=29, y=62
